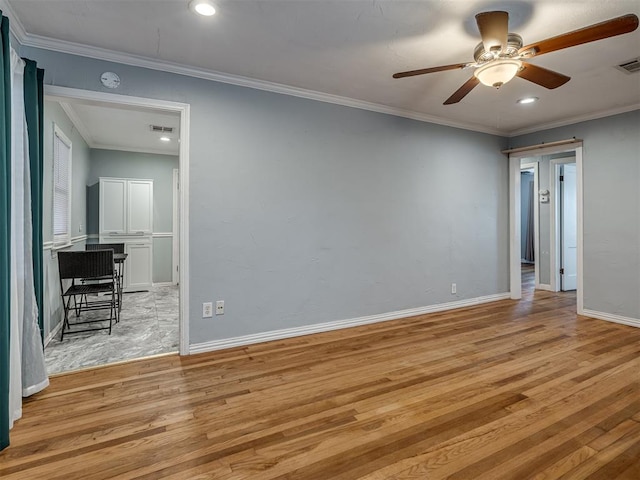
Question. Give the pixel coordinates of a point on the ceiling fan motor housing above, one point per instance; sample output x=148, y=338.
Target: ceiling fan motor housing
x=514, y=43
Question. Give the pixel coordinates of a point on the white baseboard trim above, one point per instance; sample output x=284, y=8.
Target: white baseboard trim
x=52, y=333
x=338, y=324
x=609, y=317
x=164, y=284
x=544, y=286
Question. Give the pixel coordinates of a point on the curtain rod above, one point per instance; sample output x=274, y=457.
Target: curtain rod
x=542, y=145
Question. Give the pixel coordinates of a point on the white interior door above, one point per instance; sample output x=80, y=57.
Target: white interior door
x=568, y=228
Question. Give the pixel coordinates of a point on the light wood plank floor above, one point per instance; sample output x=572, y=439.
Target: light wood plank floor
x=508, y=390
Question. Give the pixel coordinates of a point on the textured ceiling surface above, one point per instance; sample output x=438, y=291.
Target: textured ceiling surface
x=351, y=49
x=122, y=128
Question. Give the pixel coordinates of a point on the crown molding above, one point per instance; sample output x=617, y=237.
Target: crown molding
x=97, y=53
x=46, y=43
x=15, y=25
x=77, y=123
x=576, y=119
x=121, y=148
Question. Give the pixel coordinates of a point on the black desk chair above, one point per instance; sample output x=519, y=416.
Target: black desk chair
x=89, y=265
x=118, y=248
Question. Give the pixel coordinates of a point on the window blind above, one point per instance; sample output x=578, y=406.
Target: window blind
x=61, y=189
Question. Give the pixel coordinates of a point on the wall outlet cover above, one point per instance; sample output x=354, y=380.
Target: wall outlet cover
x=220, y=307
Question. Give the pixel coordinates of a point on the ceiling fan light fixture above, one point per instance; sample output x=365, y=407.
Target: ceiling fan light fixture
x=202, y=7
x=497, y=72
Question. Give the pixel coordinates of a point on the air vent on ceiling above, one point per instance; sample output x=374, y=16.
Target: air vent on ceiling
x=161, y=129
x=632, y=66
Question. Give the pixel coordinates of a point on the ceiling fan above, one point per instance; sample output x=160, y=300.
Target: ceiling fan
x=500, y=56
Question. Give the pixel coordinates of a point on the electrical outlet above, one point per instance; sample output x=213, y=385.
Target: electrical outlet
x=207, y=310
x=220, y=307
x=454, y=289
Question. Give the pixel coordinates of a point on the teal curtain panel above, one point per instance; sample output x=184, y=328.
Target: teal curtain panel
x=5, y=227
x=34, y=112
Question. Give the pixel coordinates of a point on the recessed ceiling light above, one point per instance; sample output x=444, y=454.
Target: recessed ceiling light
x=202, y=7
x=528, y=100
x=165, y=139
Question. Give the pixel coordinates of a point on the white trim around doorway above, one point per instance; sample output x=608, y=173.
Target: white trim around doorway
x=175, y=244
x=184, y=109
x=515, y=220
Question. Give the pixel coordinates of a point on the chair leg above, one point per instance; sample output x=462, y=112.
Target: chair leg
x=115, y=301
x=78, y=305
x=112, y=311
x=65, y=321
x=119, y=278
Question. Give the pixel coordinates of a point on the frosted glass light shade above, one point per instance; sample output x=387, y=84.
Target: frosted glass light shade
x=497, y=72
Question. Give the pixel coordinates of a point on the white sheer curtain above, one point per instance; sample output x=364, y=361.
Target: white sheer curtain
x=27, y=367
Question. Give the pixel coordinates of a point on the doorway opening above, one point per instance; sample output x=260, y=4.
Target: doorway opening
x=529, y=235
x=132, y=153
x=552, y=259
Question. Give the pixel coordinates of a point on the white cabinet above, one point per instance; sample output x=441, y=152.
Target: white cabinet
x=140, y=207
x=138, y=265
x=113, y=199
x=126, y=216
x=126, y=206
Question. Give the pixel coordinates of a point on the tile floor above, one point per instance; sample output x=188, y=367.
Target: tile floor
x=148, y=326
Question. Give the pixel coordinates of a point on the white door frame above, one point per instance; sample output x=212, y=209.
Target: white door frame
x=536, y=219
x=175, y=238
x=554, y=192
x=183, y=109
x=514, y=215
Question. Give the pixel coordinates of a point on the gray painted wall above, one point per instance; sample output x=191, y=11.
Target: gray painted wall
x=159, y=168
x=304, y=212
x=162, y=260
x=545, y=221
x=611, y=176
x=53, y=113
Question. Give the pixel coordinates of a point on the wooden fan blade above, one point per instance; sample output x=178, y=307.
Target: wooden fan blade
x=599, y=31
x=462, y=91
x=494, y=28
x=541, y=76
x=422, y=71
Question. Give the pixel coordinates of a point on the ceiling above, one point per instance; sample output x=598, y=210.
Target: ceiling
x=122, y=128
x=348, y=50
